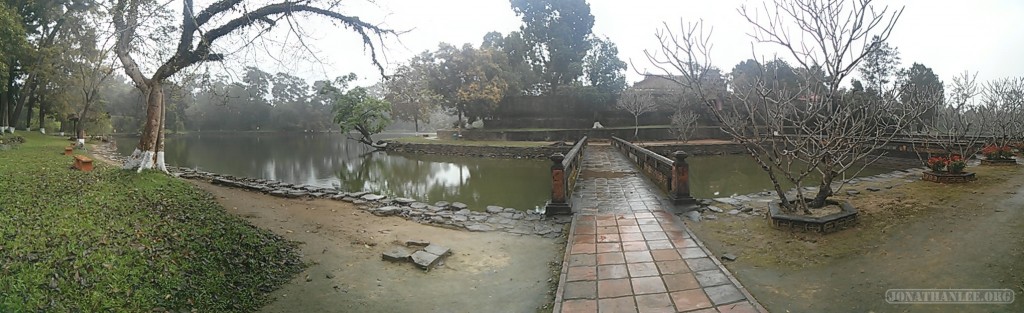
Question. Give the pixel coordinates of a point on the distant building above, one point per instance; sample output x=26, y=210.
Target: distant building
x=659, y=83
x=668, y=91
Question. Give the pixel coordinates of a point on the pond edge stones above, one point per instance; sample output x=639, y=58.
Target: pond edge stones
x=454, y=215
x=742, y=205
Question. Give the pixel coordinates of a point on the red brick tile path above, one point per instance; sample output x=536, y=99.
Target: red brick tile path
x=628, y=253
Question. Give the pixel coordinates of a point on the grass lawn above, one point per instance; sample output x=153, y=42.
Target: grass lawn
x=494, y=143
x=113, y=240
x=880, y=214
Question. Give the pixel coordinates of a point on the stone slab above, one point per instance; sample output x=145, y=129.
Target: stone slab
x=724, y=294
x=417, y=243
x=425, y=260
x=437, y=249
x=397, y=254
x=387, y=211
x=479, y=227
x=404, y=201
x=372, y=197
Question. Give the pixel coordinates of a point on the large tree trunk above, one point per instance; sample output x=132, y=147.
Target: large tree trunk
x=80, y=127
x=42, y=114
x=149, y=153
x=367, y=140
x=460, y=124
x=416, y=121
x=824, y=190
x=22, y=97
x=28, y=115
x=636, y=126
x=5, y=102
x=3, y=111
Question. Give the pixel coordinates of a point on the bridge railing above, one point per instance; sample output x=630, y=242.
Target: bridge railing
x=565, y=170
x=671, y=175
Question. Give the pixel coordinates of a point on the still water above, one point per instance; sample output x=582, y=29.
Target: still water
x=740, y=174
x=331, y=160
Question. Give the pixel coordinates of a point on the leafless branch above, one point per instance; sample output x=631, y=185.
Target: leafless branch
x=811, y=128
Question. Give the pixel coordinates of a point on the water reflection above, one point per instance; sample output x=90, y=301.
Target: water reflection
x=514, y=183
x=739, y=174
x=332, y=160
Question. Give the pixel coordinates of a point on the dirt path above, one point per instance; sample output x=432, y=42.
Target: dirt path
x=343, y=245
x=976, y=241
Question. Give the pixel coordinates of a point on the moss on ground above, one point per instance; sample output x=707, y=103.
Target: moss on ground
x=114, y=240
x=880, y=213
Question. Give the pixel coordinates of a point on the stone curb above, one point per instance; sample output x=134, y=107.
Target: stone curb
x=564, y=271
x=443, y=214
x=721, y=266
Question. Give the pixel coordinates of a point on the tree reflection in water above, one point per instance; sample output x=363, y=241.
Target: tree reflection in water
x=329, y=160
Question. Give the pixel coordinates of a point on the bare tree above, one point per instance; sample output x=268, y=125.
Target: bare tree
x=957, y=126
x=1002, y=102
x=198, y=35
x=636, y=102
x=816, y=128
x=90, y=67
x=683, y=124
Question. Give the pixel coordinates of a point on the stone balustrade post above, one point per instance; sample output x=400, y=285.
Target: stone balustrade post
x=681, y=179
x=559, y=203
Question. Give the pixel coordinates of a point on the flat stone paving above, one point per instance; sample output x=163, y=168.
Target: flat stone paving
x=627, y=252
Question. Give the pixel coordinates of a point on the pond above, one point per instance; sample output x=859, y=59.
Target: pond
x=740, y=174
x=331, y=160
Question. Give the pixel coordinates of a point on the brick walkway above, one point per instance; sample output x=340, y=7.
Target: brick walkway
x=627, y=252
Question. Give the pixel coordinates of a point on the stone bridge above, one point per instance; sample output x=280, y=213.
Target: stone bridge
x=627, y=250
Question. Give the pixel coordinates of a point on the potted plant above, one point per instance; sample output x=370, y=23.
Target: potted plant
x=998, y=155
x=937, y=164
x=956, y=164
x=947, y=170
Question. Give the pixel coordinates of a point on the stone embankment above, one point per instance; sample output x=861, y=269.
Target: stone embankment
x=755, y=204
x=454, y=215
x=442, y=213
x=542, y=152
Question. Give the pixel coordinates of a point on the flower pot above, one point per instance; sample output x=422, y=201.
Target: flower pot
x=824, y=224
x=948, y=178
x=998, y=162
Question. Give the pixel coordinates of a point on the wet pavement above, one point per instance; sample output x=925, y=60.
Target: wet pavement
x=627, y=252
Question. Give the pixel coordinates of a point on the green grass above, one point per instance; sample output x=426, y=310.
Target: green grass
x=472, y=143
x=113, y=240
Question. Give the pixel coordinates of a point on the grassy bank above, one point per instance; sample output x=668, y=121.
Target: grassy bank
x=880, y=214
x=112, y=240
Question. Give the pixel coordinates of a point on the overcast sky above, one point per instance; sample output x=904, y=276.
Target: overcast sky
x=983, y=36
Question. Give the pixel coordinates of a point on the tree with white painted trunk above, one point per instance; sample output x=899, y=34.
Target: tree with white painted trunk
x=197, y=34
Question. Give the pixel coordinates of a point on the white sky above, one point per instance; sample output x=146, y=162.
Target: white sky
x=983, y=36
